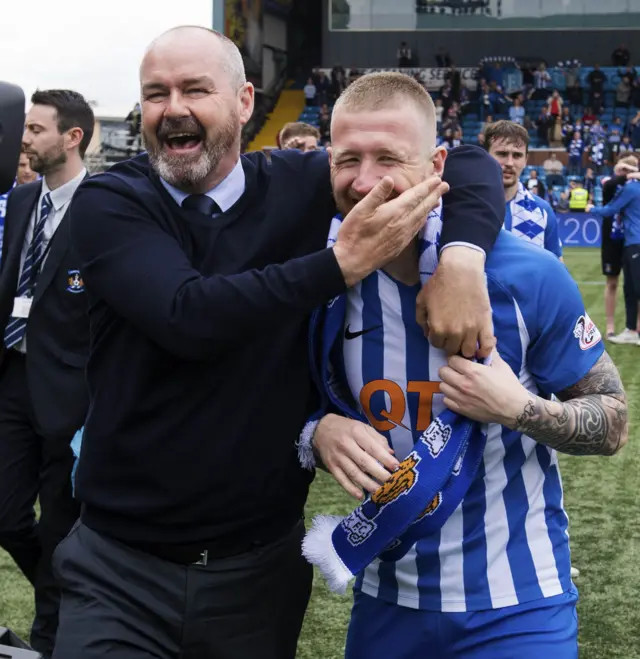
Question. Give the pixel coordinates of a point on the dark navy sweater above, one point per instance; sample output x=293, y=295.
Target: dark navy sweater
x=198, y=371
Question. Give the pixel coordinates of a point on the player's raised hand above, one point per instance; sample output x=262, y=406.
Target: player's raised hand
x=357, y=456
x=453, y=306
x=486, y=393
x=378, y=229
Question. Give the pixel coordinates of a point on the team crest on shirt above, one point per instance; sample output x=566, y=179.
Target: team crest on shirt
x=586, y=332
x=76, y=285
x=436, y=437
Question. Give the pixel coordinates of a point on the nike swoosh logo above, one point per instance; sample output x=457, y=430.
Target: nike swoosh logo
x=348, y=335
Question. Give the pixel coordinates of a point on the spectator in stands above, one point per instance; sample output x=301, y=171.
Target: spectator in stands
x=556, y=136
x=446, y=94
x=628, y=72
x=552, y=165
x=597, y=131
x=635, y=94
x=527, y=216
x=589, y=117
x=404, y=56
x=589, y=182
x=562, y=205
x=484, y=99
x=614, y=139
x=567, y=126
x=575, y=150
x=598, y=155
x=439, y=112
x=528, y=80
x=555, y=104
x=323, y=88
x=517, y=112
x=535, y=182
x=621, y=56
x=571, y=74
x=541, y=84
x=597, y=80
x=597, y=102
x=25, y=174
x=625, y=147
x=612, y=246
x=617, y=123
x=454, y=140
x=354, y=74
x=626, y=204
x=324, y=124
x=575, y=97
x=578, y=196
x=623, y=93
x=338, y=81
x=310, y=92
x=544, y=123
x=453, y=76
x=299, y=135
x=464, y=100
x=634, y=130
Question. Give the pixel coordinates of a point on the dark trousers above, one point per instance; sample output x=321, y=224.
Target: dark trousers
x=127, y=604
x=631, y=269
x=33, y=466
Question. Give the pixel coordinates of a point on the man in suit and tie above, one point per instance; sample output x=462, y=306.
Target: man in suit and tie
x=43, y=352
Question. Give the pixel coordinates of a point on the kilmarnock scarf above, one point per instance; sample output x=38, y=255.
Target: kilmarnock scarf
x=421, y=494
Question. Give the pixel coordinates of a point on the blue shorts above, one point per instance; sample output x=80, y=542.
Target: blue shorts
x=536, y=630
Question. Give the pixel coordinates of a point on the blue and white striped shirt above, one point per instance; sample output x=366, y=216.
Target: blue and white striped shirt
x=507, y=543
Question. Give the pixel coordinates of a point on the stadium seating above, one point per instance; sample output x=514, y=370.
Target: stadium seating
x=471, y=122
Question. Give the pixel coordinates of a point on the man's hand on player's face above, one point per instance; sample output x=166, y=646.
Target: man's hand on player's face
x=489, y=394
x=453, y=306
x=355, y=454
x=377, y=229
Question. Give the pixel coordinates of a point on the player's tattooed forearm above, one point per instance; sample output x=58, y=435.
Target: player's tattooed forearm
x=592, y=420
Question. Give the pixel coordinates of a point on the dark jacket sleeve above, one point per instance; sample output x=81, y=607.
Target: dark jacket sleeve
x=474, y=206
x=609, y=188
x=141, y=272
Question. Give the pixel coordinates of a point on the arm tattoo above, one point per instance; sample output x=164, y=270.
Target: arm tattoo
x=592, y=420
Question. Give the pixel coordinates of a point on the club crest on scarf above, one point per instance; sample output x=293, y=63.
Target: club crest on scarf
x=361, y=523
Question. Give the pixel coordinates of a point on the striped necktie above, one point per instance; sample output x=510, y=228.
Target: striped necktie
x=16, y=327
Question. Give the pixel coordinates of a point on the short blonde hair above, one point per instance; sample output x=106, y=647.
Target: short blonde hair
x=384, y=89
x=628, y=160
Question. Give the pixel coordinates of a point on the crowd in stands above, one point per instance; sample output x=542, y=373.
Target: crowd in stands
x=590, y=113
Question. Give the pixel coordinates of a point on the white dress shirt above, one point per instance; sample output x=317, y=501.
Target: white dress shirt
x=60, y=199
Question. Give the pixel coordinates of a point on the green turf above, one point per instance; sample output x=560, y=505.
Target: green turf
x=601, y=496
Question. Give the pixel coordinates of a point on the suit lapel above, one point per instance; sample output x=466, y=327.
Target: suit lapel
x=15, y=232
